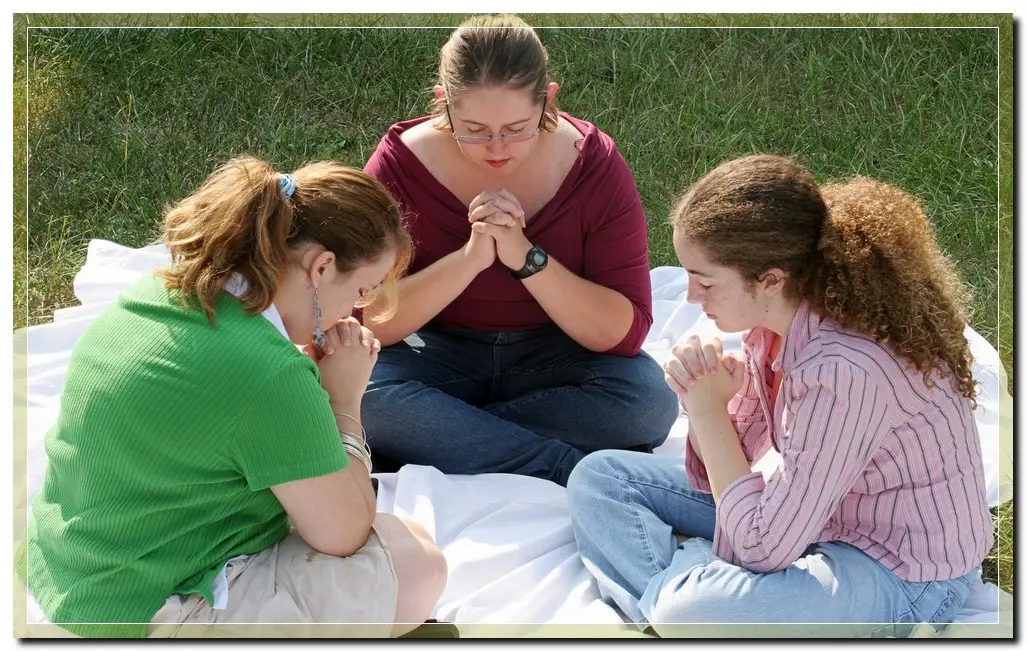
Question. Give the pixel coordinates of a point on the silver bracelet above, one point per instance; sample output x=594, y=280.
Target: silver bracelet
x=358, y=442
x=357, y=447
x=353, y=451
x=354, y=420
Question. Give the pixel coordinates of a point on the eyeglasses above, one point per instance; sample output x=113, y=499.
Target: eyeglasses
x=518, y=137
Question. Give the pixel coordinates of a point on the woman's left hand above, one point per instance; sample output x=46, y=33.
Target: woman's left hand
x=500, y=215
x=491, y=203
x=714, y=391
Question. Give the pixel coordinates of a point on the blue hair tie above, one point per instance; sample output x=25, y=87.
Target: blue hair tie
x=287, y=183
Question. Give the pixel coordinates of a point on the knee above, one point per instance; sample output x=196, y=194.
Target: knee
x=653, y=398
x=593, y=479
x=425, y=567
x=663, y=411
x=714, y=593
x=434, y=572
x=595, y=468
x=421, y=568
x=421, y=574
x=683, y=609
x=688, y=604
x=663, y=402
x=430, y=559
x=417, y=530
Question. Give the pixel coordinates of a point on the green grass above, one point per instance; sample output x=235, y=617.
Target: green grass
x=121, y=122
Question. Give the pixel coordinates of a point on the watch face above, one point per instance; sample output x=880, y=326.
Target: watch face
x=534, y=262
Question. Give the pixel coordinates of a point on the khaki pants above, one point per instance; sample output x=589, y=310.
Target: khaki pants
x=291, y=590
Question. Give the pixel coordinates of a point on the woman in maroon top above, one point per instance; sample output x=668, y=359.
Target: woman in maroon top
x=517, y=344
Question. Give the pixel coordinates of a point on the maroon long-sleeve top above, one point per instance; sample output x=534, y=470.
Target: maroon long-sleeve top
x=595, y=226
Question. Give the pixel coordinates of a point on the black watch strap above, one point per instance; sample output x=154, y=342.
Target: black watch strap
x=534, y=262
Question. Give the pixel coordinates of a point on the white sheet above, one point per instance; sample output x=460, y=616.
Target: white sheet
x=507, y=539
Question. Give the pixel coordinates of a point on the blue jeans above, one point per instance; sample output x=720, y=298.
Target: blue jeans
x=626, y=509
x=527, y=402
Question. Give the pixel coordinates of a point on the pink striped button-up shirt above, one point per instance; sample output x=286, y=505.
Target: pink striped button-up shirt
x=870, y=456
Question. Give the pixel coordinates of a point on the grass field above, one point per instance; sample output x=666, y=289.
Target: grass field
x=120, y=122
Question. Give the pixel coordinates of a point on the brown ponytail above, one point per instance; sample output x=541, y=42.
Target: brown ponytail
x=870, y=262
x=240, y=221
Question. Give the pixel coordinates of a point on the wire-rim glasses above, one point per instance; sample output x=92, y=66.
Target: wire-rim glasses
x=504, y=138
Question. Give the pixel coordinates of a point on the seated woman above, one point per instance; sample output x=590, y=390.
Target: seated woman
x=855, y=368
x=203, y=470
x=516, y=346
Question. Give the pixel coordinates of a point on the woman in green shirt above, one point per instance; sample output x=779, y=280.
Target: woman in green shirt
x=201, y=471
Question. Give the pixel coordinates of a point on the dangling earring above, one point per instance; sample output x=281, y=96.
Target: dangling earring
x=319, y=334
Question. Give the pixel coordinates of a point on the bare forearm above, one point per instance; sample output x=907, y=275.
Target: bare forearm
x=694, y=441
x=722, y=454
x=347, y=419
x=334, y=512
x=365, y=506
x=596, y=317
x=422, y=296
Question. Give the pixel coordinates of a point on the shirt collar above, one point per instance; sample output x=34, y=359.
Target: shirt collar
x=237, y=286
x=804, y=324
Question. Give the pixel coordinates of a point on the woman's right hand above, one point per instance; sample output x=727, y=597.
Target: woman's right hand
x=480, y=250
x=691, y=359
x=348, y=355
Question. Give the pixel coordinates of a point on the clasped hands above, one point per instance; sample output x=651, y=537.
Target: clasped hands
x=702, y=375
x=497, y=230
x=346, y=333
x=350, y=352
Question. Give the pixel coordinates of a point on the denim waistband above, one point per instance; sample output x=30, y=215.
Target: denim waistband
x=495, y=337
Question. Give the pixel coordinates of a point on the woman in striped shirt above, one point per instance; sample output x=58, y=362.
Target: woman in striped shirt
x=855, y=369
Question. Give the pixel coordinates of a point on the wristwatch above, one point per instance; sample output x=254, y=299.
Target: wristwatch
x=534, y=262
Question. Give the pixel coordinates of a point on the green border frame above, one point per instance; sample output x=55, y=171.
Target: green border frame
x=1003, y=22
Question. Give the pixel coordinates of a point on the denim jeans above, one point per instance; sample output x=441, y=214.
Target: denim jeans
x=526, y=402
x=626, y=509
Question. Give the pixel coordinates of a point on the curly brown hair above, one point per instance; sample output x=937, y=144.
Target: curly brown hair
x=240, y=221
x=862, y=252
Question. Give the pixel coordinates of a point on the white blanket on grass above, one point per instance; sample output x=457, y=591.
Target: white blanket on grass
x=507, y=538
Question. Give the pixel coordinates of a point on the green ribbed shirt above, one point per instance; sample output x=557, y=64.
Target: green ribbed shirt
x=170, y=434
